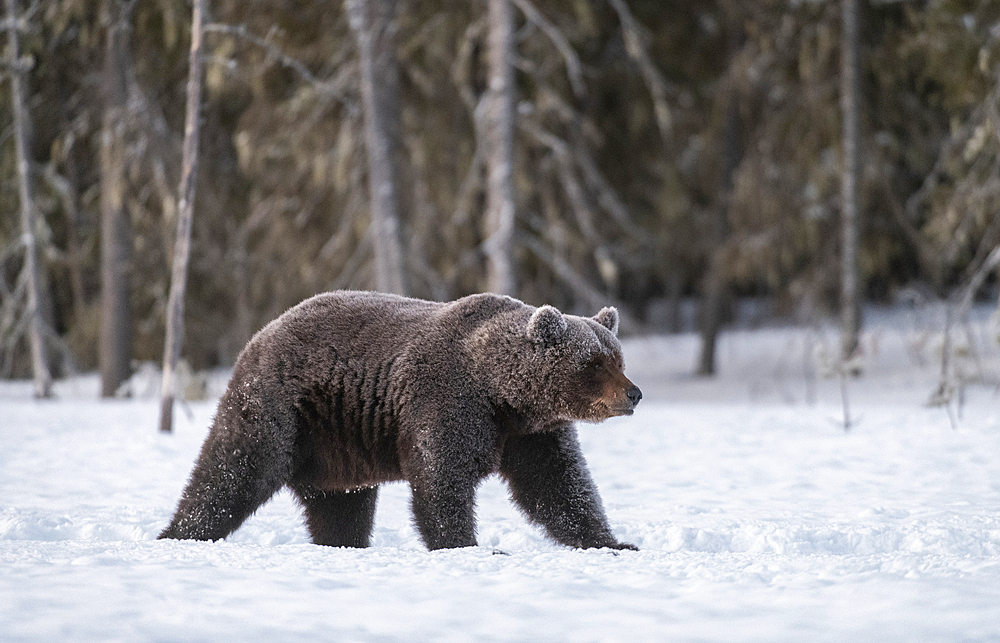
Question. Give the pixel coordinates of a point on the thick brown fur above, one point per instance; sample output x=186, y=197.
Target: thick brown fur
x=348, y=390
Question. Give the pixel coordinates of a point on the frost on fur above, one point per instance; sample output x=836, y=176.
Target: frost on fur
x=349, y=390
x=546, y=325
x=608, y=317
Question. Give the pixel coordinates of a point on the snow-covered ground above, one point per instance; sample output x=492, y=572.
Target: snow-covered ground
x=757, y=517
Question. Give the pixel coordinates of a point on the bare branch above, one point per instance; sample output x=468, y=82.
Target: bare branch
x=573, y=67
x=22, y=65
x=334, y=88
x=636, y=48
x=969, y=188
x=10, y=249
x=423, y=36
x=609, y=199
x=471, y=185
x=461, y=73
x=976, y=282
x=68, y=197
x=568, y=156
x=579, y=284
x=581, y=209
x=22, y=23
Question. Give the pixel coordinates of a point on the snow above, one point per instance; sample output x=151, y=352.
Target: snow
x=757, y=516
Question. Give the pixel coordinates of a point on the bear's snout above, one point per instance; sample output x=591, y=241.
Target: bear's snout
x=620, y=396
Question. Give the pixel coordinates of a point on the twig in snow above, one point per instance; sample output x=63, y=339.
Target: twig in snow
x=849, y=422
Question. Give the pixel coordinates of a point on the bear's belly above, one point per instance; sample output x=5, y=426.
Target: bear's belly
x=347, y=441
x=342, y=468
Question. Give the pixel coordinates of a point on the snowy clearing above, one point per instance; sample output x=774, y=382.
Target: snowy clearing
x=757, y=516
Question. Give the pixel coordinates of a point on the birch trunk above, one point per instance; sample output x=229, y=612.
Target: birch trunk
x=850, y=296
x=185, y=213
x=36, y=324
x=374, y=25
x=499, y=134
x=114, y=352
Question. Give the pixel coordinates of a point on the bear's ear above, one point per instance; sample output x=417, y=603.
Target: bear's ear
x=608, y=317
x=546, y=325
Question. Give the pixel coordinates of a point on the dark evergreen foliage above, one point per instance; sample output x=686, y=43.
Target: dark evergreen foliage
x=622, y=158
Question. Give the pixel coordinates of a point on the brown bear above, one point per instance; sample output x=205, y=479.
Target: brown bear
x=348, y=390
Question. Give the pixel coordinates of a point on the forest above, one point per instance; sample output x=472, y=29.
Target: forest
x=641, y=153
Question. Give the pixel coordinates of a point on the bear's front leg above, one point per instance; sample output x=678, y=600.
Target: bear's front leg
x=549, y=481
x=449, y=458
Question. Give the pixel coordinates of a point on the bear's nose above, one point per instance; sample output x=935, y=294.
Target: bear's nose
x=634, y=394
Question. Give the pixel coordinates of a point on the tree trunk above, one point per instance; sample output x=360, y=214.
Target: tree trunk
x=374, y=25
x=499, y=136
x=185, y=212
x=36, y=324
x=114, y=355
x=850, y=100
x=715, y=291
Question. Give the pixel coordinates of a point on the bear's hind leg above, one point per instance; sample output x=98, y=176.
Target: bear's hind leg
x=445, y=516
x=215, y=504
x=236, y=472
x=339, y=518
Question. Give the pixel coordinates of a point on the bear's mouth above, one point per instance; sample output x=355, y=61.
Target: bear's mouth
x=604, y=411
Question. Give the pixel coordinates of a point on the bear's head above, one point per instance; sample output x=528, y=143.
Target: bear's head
x=555, y=367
